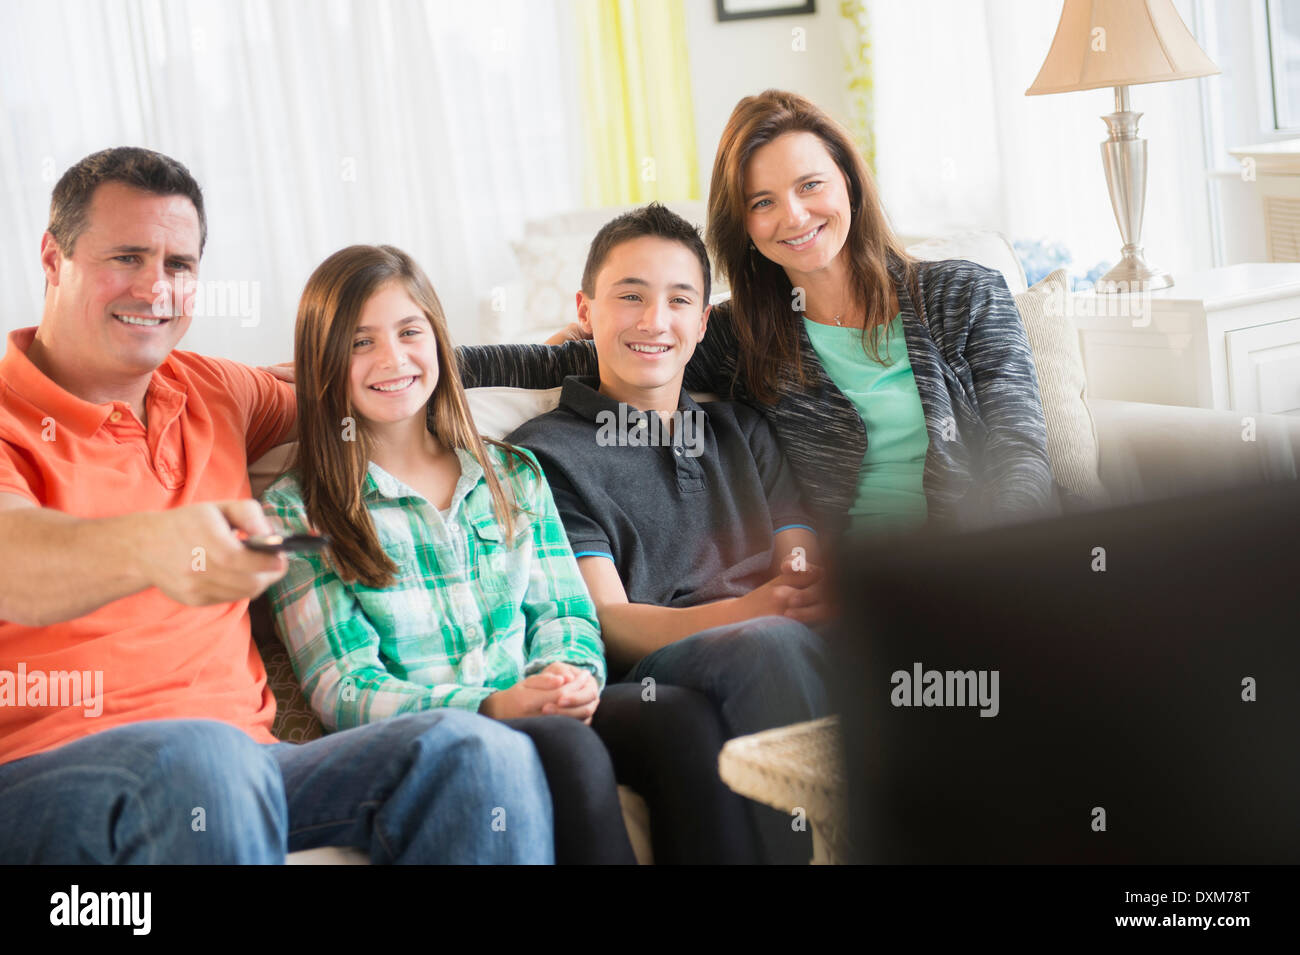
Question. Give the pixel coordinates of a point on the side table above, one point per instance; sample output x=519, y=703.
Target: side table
x=1226, y=338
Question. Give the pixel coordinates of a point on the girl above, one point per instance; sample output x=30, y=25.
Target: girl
x=450, y=580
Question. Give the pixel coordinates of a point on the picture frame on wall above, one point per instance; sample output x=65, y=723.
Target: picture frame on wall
x=752, y=9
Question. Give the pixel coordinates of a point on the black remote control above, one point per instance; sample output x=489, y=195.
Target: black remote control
x=294, y=543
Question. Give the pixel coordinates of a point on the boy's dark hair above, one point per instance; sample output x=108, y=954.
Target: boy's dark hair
x=651, y=220
x=131, y=165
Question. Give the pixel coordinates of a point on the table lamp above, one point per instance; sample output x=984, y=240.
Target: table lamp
x=1122, y=43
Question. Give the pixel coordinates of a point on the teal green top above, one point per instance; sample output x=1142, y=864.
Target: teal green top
x=890, y=496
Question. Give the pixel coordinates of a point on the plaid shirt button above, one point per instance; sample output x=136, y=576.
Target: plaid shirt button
x=471, y=667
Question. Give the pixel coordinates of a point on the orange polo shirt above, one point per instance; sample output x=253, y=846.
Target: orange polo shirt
x=160, y=659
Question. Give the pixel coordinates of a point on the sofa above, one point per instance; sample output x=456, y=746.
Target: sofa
x=1146, y=452
x=1103, y=453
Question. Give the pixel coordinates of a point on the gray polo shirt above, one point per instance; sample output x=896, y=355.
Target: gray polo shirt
x=687, y=519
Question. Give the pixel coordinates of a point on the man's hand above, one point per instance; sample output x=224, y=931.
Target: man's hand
x=798, y=594
x=192, y=554
x=570, y=333
x=283, y=371
x=560, y=689
x=812, y=600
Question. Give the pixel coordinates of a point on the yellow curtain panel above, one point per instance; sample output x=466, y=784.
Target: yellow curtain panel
x=638, y=118
x=860, y=86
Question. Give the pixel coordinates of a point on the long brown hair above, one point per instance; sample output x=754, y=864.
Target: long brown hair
x=333, y=449
x=761, y=293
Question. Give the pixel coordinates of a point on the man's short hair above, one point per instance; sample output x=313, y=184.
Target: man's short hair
x=651, y=220
x=133, y=166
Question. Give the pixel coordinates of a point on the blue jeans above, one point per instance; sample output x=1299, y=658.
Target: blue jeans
x=760, y=674
x=443, y=786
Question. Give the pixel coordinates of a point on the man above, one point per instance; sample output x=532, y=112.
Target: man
x=134, y=712
x=684, y=517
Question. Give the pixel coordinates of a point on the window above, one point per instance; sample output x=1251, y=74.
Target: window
x=1284, y=59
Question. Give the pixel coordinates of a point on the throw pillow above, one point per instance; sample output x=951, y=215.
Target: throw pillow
x=295, y=720
x=551, y=273
x=1071, y=434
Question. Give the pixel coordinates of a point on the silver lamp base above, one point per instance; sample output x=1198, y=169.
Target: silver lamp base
x=1133, y=274
x=1124, y=156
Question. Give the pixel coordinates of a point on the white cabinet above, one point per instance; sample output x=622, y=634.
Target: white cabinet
x=1226, y=338
x=1264, y=368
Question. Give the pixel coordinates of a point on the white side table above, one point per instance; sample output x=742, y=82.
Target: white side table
x=1226, y=338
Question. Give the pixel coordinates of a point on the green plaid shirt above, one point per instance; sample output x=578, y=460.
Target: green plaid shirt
x=466, y=616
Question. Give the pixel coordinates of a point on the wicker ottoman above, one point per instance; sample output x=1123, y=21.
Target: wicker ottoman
x=795, y=767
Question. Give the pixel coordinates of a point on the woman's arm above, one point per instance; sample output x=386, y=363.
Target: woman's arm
x=1017, y=472
x=546, y=366
x=524, y=366
x=714, y=362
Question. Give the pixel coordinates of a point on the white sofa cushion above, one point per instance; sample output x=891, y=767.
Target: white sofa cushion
x=1071, y=434
x=498, y=411
x=1149, y=452
x=983, y=247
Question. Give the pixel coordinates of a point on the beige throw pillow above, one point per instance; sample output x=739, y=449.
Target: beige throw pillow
x=1071, y=435
x=551, y=269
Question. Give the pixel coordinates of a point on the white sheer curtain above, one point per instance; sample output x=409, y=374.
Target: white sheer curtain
x=435, y=126
x=959, y=145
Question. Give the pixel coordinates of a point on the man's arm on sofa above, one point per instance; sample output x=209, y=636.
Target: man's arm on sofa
x=43, y=551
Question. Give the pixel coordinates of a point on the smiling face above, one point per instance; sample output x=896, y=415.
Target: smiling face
x=394, y=366
x=798, y=204
x=646, y=314
x=100, y=300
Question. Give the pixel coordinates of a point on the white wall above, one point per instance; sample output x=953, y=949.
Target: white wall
x=737, y=58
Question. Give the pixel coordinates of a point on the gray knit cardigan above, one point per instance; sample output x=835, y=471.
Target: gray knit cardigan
x=987, y=461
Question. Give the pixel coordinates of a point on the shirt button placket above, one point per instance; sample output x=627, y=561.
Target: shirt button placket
x=471, y=667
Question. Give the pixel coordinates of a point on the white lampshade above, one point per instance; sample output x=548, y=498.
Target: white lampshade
x=1143, y=41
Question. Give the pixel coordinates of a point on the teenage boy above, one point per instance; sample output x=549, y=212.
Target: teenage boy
x=684, y=517
x=135, y=717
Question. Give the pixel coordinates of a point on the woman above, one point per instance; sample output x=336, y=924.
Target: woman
x=903, y=391
x=450, y=581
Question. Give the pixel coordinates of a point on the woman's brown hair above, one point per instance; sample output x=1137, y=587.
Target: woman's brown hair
x=761, y=293
x=333, y=449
